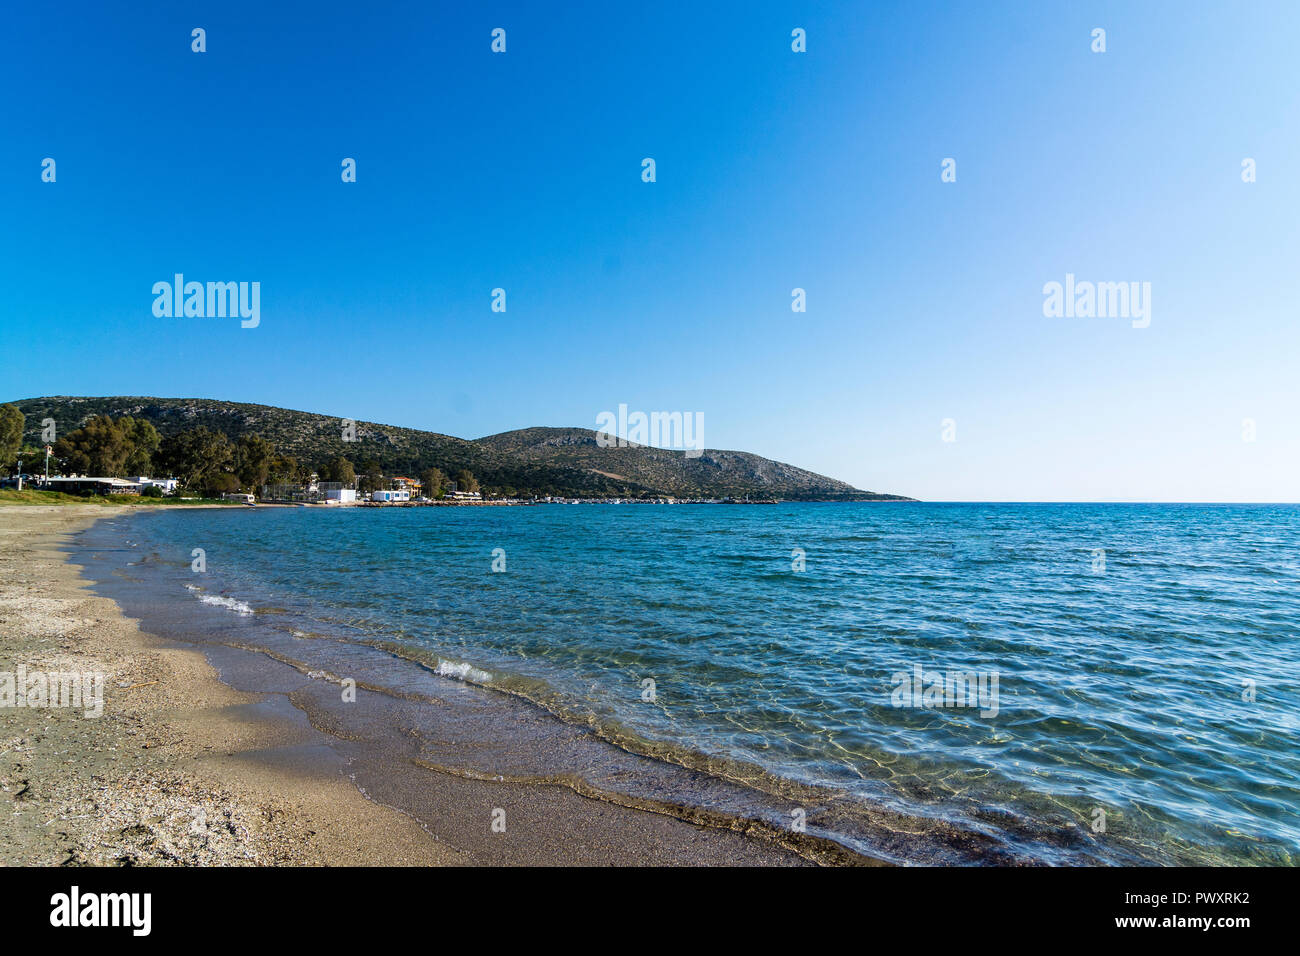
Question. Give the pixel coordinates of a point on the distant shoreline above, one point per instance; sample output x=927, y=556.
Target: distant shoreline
x=32, y=497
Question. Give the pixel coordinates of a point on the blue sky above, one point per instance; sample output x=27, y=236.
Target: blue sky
x=775, y=170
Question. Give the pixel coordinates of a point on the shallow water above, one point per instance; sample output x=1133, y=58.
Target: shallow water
x=1119, y=729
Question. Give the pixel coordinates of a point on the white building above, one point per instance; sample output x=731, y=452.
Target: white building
x=168, y=485
x=400, y=494
x=344, y=496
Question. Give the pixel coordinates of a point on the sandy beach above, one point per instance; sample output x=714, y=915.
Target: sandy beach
x=161, y=777
x=182, y=769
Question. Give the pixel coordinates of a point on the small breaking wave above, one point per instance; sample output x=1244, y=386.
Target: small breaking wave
x=463, y=672
x=239, y=607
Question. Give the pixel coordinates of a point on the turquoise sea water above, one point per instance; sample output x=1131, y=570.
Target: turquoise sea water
x=1126, y=640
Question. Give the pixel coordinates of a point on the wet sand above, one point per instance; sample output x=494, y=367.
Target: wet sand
x=183, y=769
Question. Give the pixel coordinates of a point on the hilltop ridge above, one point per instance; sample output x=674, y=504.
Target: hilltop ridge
x=527, y=461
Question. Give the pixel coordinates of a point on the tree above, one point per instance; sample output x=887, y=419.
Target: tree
x=102, y=447
x=370, y=477
x=11, y=433
x=197, y=457
x=371, y=481
x=254, y=456
x=221, y=483
x=433, y=482
x=32, y=457
x=465, y=481
x=109, y=448
x=341, y=470
x=287, y=470
x=144, y=440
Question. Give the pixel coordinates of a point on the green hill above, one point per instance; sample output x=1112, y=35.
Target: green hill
x=542, y=461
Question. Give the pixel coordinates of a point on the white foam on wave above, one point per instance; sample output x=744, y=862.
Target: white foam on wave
x=463, y=672
x=239, y=607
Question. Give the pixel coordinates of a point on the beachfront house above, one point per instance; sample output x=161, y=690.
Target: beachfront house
x=166, y=485
x=390, y=495
x=411, y=486
x=93, y=486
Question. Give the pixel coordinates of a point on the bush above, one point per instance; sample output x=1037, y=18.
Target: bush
x=151, y=491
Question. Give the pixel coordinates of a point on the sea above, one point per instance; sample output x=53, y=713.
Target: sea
x=914, y=683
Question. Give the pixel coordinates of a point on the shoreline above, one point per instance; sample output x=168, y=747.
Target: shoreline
x=183, y=768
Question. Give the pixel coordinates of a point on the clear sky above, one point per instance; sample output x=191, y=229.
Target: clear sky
x=775, y=170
